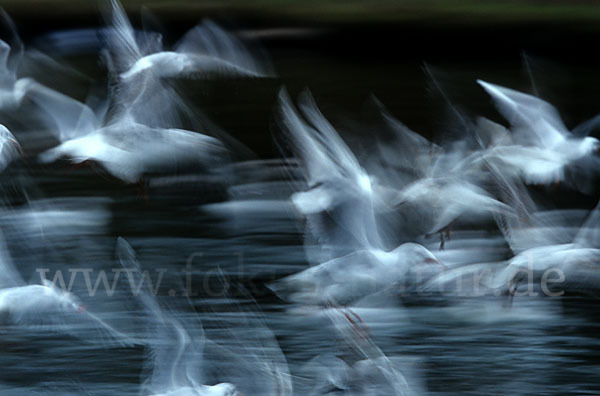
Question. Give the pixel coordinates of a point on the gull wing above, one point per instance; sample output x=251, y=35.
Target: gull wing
x=532, y=118
x=68, y=118
x=174, y=357
x=9, y=276
x=338, y=204
x=12, y=51
x=121, y=38
x=219, y=47
x=589, y=233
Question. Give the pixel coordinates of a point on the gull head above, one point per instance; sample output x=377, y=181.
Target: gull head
x=589, y=145
x=364, y=182
x=420, y=263
x=66, y=300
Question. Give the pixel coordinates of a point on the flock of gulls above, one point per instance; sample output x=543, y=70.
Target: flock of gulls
x=388, y=217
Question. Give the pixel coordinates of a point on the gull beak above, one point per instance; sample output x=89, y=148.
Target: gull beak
x=17, y=145
x=435, y=261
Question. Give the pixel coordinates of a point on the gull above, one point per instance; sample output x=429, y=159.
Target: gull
x=123, y=147
x=545, y=247
x=130, y=150
x=241, y=347
x=550, y=249
x=175, y=350
x=347, y=279
x=339, y=210
x=139, y=66
x=544, y=146
x=371, y=371
x=205, y=49
x=433, y=185
x=339, y=199
x=48, y=306
x=566, y=266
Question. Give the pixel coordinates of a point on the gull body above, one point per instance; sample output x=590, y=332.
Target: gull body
x=49, y=306
x=129, y=150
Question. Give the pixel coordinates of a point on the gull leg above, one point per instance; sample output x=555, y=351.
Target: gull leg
x=78, y=165
x=357, y=323
x=142, y=191
x=510, y=293
x=445, y=235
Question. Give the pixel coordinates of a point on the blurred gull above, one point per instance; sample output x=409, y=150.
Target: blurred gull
x=370, y=370
x=544, y=244
x=139, y=65
x=543, y=144
x=428, y=186
x=124, y=147
x=175, y=357
x=49, y=306
x=339, y=211
x=558, y=267
x=206, y=49
x=241, y=347
x=444, y=187
x=245, y=351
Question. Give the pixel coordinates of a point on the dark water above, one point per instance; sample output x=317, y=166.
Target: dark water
x=541, y=346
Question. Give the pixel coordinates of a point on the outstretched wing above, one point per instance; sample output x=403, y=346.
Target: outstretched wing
x=68, y=118
x=217, y=47
x=338, y=203
x=11, y=51
x=533, y=119
x=174, y=357
x=589, y=233
x=122, y=42
x=242, y=349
